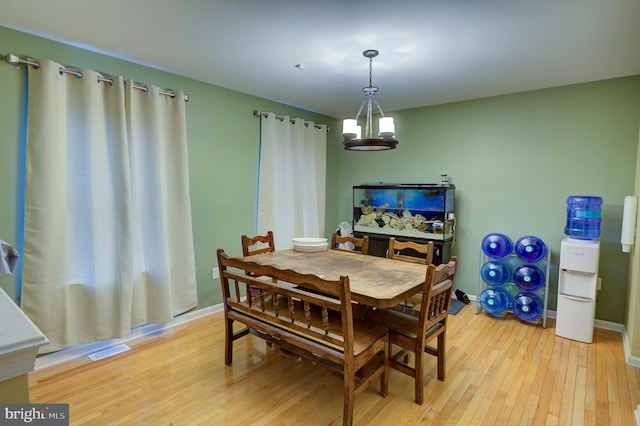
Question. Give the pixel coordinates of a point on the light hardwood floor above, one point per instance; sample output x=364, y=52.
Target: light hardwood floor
x=499, y=372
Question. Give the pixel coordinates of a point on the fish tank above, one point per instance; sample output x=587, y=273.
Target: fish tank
x=422, y=211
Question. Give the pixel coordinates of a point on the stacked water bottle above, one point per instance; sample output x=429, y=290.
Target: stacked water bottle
x=513, y=276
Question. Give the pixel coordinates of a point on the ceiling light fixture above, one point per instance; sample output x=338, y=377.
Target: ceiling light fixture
x=351, y=132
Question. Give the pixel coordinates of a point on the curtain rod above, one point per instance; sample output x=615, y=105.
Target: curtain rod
x=16, y=60
x=258, y=113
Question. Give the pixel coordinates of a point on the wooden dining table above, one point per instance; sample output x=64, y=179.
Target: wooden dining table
x=375, y=281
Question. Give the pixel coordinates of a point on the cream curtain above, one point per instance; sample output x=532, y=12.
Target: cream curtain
x=292, y=178
x=108, y=242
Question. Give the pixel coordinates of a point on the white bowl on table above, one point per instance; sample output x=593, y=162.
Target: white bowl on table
x=310, y=244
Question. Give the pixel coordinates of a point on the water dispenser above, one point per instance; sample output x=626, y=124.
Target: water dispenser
x=577, y=287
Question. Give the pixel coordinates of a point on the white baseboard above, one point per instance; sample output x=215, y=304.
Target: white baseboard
x=631, y=360
x=68, y=354
x=613, y=326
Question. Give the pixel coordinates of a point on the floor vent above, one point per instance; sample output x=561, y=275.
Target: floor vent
x=115, y=350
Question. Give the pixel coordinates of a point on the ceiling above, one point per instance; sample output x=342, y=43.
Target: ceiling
x=431, y=51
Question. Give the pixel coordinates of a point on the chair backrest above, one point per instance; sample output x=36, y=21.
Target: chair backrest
x=248, y=242
x=360, y=243
x=436, y=295
x=410, y=251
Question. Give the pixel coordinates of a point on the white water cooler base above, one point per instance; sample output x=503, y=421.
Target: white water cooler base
x=575, y=318
x=577, y=283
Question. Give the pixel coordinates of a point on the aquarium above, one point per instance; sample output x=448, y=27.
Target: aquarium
x=410, y=210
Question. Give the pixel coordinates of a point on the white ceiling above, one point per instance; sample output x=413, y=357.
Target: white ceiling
x=431, y=51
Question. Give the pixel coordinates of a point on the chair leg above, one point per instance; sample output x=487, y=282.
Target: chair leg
x=349, y=400
x=384, y=379
x=419, y=377
x=228, y=342
x=442, y=363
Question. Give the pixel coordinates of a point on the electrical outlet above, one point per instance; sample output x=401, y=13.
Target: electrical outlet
x=215, y=273
x=599, y=283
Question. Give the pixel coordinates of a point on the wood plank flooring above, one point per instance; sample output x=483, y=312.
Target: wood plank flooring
x=499, y=372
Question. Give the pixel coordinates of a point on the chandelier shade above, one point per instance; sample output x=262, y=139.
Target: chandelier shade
x=352, y=132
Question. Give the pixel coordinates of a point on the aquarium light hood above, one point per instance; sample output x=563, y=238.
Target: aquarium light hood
x=351, y=132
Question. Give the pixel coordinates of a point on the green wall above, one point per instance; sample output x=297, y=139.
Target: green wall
x=223, y=149
x=514, y=160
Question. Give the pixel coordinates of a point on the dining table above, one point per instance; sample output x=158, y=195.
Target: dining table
x=375, y=281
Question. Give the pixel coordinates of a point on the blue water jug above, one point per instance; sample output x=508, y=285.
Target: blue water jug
x=495, y=273
x=583, y=217
x=529, y=277
x=494, y=300
x=531, y=249
x=527, y=306
x=497, y=246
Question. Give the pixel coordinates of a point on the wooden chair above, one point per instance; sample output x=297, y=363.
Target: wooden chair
x=411, y=330
x=360, y=243
x=402, y=251
x=247, y=243
x=249, y=248
x=409, y=251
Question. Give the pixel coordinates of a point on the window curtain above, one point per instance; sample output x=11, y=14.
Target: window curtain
x=108, y=242
x=292, y=178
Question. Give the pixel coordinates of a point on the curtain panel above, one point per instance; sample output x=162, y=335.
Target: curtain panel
x=292, y=179
x=108, y=241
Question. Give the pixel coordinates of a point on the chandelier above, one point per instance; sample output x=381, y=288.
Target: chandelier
x=352, y=133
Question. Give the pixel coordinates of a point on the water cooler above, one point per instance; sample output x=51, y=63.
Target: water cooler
x=577, y=287
x=578, y=280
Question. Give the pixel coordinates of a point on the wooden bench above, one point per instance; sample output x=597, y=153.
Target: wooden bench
x=308, y=316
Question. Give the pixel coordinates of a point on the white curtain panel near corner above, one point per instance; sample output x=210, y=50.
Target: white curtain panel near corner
x=292, y=179
x=108, y=241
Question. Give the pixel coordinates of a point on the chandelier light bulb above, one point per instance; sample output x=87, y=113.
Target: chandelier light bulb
x=386, y=127
x=349, y=128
